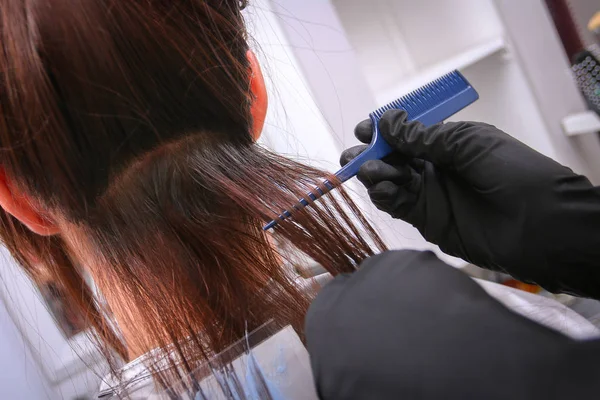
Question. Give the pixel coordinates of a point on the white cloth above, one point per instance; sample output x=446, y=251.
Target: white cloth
x=543, y=310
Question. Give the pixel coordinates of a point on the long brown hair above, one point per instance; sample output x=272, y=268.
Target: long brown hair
x=131, y=119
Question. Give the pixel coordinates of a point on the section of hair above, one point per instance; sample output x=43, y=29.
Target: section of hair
x=179, y=251
x=87, y=86
x=131, y=120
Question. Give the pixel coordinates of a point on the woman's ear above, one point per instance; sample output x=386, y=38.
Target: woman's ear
x=259, y=92
x=23, y=208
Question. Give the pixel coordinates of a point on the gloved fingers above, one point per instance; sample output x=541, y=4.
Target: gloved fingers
x=443, y=145
x=417, y=164
x=413, y=185
x=392, y=199
x=351, y=153
x=446, y=145
x=364, y=131
x=375, y=171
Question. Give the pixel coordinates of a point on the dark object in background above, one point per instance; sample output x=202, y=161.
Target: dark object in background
x=583, y=61
x=67, y=318
x=587, y=73
x=565, y=26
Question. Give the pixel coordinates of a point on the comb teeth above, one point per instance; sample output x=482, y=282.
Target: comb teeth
x=429, y=105
x=420, y=100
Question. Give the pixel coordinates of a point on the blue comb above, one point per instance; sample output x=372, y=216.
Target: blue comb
x=429, y=105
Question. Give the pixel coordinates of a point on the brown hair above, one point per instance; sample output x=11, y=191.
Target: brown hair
x=132, y=120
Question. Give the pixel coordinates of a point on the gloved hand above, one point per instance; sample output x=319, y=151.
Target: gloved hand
x=484, y=196
x=408, y=326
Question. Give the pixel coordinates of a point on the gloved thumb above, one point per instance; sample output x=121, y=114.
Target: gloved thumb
x=441, y=144
x=351, y=153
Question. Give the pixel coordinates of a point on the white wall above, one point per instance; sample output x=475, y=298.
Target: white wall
x=395, y=38
x=44, y=357
x=302, y=47
x=20, y=376
x=506, y=101
x=582, y=11
x=537, y=48
x=294, y=124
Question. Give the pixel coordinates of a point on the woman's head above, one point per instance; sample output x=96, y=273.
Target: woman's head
x=89, y=86
x=127, y=133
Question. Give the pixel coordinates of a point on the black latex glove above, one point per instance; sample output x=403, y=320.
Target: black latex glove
x=408, y=326
x=484, y=196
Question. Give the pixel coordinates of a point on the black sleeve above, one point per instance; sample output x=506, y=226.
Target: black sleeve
x=408, y=326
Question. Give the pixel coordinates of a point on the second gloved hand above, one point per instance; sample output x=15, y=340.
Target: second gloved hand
x=484, y=196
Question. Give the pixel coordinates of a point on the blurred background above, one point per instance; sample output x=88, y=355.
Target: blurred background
x=328, y=63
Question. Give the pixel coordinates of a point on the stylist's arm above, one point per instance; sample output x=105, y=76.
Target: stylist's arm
x=408, y=326
x=486, y=197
